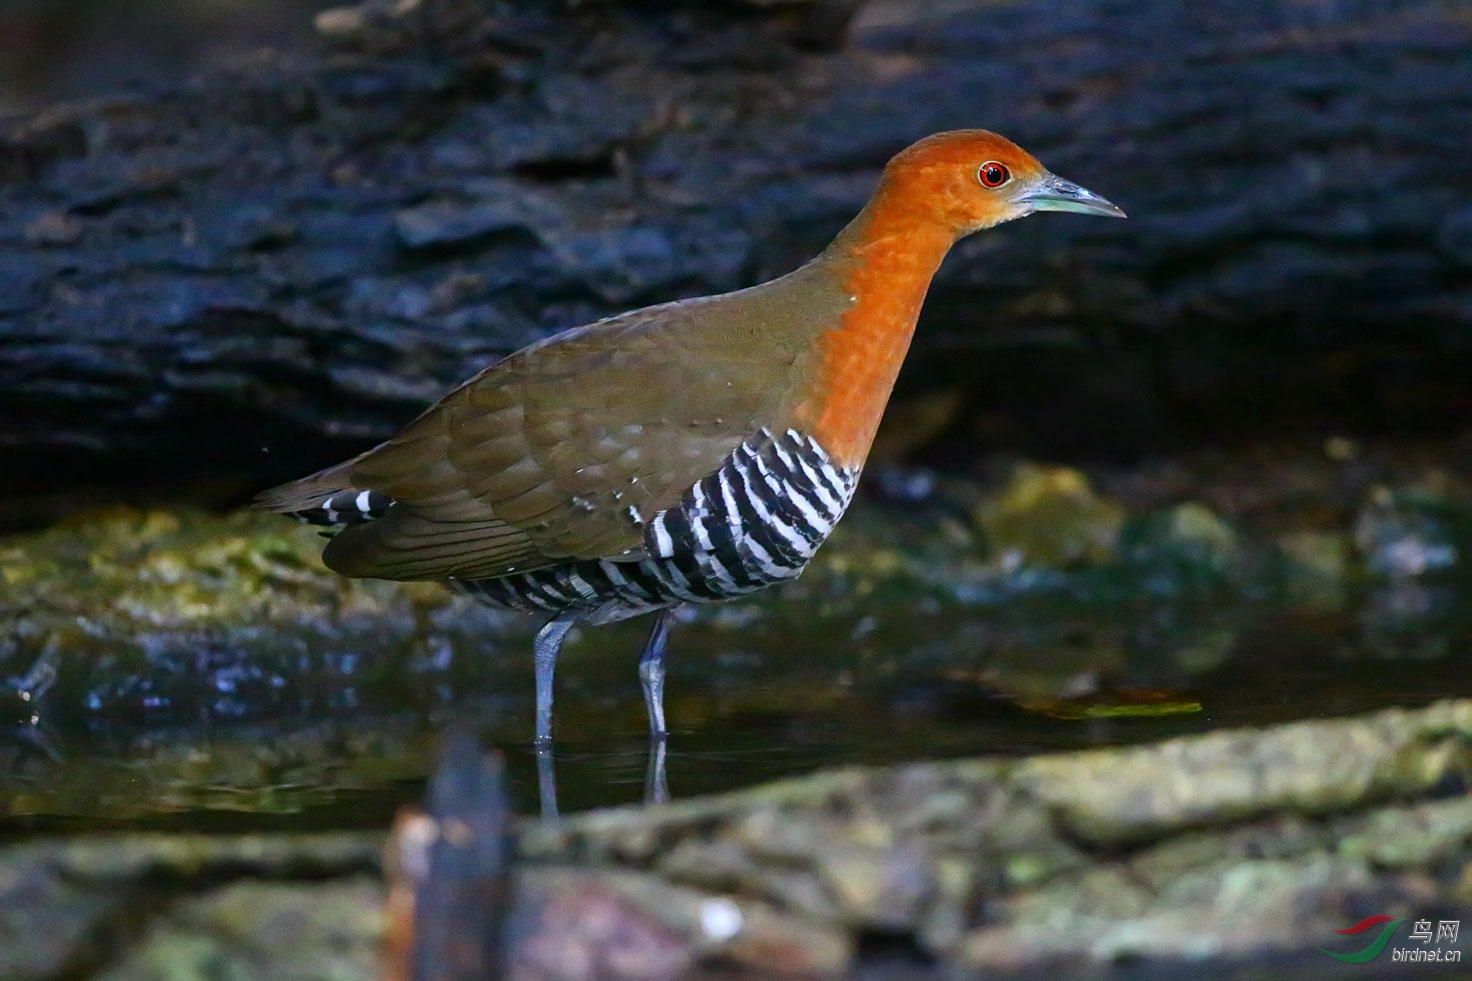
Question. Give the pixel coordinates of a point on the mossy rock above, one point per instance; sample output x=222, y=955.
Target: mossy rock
x=1050, y=517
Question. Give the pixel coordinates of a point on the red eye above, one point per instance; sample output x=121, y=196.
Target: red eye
x=993, y=174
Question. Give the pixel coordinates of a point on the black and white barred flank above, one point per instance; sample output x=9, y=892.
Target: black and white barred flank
x=757, y=520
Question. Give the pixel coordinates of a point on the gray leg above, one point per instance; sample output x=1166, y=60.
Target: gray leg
x=656, y=784
x=547, y=780
x=545, y=648
x=651, y=672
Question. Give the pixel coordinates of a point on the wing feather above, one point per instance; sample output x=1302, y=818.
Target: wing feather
x=404, y=545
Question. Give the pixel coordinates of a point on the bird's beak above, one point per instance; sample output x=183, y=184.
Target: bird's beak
x=1053, y=193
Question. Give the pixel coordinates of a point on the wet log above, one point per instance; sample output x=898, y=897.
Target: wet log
x=210, y=287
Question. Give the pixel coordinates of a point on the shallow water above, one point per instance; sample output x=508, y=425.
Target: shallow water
x=211, y=675
x=776, y=687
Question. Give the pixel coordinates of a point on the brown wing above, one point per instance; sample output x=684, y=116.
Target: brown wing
x=563, y=450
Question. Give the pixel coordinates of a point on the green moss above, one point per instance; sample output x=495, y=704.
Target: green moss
x=1049, y=517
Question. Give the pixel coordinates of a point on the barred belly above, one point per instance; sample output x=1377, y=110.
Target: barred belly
x=757, y=520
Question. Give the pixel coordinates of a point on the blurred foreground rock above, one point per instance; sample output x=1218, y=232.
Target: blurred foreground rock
x=1236, y=850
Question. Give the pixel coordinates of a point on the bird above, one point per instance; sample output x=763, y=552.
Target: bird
x=693, y=451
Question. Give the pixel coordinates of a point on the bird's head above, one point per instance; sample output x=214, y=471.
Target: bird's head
x=971, y=179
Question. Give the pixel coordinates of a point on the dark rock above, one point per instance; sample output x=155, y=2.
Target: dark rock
x=1293, y=185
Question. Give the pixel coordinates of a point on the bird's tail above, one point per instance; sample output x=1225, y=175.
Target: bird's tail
x=327, y=497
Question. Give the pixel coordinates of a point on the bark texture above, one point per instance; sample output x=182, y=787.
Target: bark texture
x=208, y=288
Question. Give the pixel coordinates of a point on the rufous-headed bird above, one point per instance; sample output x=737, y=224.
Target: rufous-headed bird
x=688, y=452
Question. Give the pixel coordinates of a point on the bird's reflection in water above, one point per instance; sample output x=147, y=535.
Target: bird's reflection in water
x=656, y=779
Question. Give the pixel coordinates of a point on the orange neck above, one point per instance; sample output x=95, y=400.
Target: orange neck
x=889, y=254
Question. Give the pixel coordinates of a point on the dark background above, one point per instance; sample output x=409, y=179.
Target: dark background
x=221, y=267
x=52, y=50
